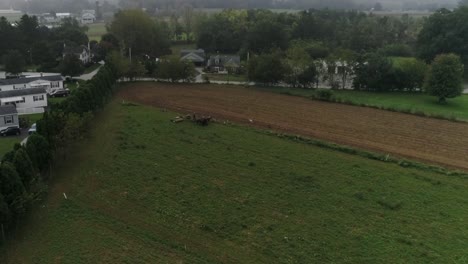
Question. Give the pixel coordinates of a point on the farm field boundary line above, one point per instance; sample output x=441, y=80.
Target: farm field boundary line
x=427, y=140
x=340, y=100
x=333, y=99
x=367, y=154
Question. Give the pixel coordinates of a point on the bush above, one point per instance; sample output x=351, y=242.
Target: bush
x=325, y=95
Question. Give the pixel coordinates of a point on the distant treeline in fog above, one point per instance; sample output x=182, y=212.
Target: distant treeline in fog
x=41, y=6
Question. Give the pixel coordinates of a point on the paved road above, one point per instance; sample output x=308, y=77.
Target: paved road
x=89, y=76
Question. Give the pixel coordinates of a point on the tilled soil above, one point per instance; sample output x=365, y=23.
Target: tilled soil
x=425, y=139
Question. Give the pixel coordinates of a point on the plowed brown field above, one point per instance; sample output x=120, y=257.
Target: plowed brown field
x=429, y=140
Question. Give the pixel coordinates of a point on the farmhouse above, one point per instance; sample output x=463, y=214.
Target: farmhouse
x=88, y=17
x=26, y=101
x=198, y=56
x=82, y=52
x=8, y=117
x=47, y=82
x=224, y=63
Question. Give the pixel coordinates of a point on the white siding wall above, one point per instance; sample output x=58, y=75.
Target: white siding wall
x=32, y=104
x=13, y=118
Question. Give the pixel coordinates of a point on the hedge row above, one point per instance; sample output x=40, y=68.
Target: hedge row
x=24, y=170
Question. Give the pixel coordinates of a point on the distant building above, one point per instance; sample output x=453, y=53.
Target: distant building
x=46, y=82
x=82, y=52
x=88, y=17
x=61, y=16
x=224, y=63
x=48, y=19
x=198, y=57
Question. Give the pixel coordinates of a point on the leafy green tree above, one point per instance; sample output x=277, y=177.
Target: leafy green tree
x=410, y=73
x=24, y=167
x=71, y=65
x=38, y=150
x=267, y=33
x=4, y=211
x=12, y=188
x=298, y=62
x=173, y=69
x=309, y=76
x=139, y=34
x=224, y=32
x=440, y=36
x=71, y=33
x=136, y=70
x=14, y=62
x=267, y=68
x=119, y=64
x=347, y=62
x=373, y=72
x=445, y=77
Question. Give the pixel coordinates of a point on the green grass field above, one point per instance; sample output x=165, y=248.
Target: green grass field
x=144, y=190
x=7, y=143
x=227, y=77
x=413, y=102
x=96, y=31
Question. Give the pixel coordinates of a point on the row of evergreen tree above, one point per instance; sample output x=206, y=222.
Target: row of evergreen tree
x=24, y=170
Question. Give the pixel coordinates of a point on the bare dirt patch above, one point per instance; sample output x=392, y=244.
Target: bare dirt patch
x=429, y=140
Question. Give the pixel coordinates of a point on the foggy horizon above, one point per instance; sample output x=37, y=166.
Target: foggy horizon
x=37, y=6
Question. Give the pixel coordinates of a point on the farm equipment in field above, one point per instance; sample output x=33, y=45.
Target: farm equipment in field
x=199, y=120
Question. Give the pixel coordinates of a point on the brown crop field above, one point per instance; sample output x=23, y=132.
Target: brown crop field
x=425, y=139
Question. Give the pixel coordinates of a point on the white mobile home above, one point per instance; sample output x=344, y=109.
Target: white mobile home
x=26, y=101
x=47, y=82
x=8, y=117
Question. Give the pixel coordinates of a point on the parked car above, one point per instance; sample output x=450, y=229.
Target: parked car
x=60, y=93
x=32, y=129
x=10, y=131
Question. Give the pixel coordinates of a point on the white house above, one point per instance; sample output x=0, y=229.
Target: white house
x=62, y=16
x=49, y=83
x=82, y=52
x=26, y=101
x=8, y=117
x=88, y=18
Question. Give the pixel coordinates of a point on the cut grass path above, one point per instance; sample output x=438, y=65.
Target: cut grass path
x=145, y=190
x=96, y=31
x=457, y=107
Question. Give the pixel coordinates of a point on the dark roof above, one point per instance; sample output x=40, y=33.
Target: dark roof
x=224, y=60
x=8, y=110
x=32, y=79
x=193, y=55
x=22, y=92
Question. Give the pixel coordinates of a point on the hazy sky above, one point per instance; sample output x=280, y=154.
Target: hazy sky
x=387, y=4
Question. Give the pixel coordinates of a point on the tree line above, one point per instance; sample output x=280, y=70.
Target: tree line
x=28, y=43
x=24, y=170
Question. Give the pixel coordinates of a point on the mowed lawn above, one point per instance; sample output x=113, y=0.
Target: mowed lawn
x=145, y=190
x=413, y=102
x=96, y=31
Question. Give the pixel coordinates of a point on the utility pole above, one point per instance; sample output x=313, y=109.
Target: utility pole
x=130, y=53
